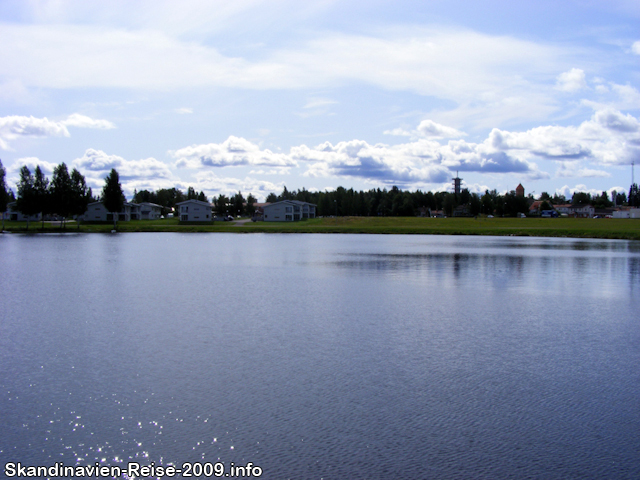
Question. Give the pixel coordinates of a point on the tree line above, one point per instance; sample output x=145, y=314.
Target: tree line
x=167, y=198
x=395, y=202
x=67, y=194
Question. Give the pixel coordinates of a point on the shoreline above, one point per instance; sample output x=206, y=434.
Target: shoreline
x=620, y=229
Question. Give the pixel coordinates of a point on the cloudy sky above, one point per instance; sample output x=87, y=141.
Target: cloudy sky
x=251, y=95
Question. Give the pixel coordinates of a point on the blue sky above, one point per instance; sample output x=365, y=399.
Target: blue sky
x=253, y=95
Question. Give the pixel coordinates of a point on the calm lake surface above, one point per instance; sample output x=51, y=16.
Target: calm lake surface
x=323, y=356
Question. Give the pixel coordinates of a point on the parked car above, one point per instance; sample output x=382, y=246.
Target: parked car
x=229, y=218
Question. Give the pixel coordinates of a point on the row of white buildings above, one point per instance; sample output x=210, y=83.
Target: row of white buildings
x=187, y=211
x=97, y=212
x=199, y=211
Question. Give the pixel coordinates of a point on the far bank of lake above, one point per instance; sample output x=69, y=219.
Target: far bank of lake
x=624, y=229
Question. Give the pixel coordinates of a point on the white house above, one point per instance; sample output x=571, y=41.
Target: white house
x=97, y=212
x=194, y=211
x=627, y=213
x=150, y=211
x=15, y=215
x=289, y=211
x=586, y=211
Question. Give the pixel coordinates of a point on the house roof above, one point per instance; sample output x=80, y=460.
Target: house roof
x=293, y=202
x=536, y=204
x=193, y=200
x=100, y=202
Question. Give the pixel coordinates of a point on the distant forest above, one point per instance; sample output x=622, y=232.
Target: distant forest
x=393, y=202
x=68, y=194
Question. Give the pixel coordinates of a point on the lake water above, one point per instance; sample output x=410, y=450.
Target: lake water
x=323, y=356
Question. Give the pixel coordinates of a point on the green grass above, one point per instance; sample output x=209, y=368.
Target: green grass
x=540, y=227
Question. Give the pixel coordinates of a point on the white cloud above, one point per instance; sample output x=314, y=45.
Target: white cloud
x=478, y=188
x=234, y=151
x=635, y=48
x=609, y=137
x=319, y=103
x=381, y=163
x=99, y=161
x=82, y=121
x=214, y=185
x=13, y=170
x=571, y=81
x=184, y=110
x=629, y=96
x=568, y=191
x=316, y=107
x=16, y=126
x=614, y=96
x=419, y=162
x=147, y=173
x=66, y=56
x=428, y=129
x=400, y=132
x=272, y=171
x=575, y=169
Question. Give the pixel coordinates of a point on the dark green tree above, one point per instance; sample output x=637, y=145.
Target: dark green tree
x=602, y=201
x=27, y=202
x=287, y=195
x=167, y=197
x=581, y=198
x=4, y=195
x=42, y=193
x=544, y=196
x=237, y=204
x=475, y=204
x=272, y=198
x=515, y=204
x=145, y=196
x=251, y=209
x=449, y=203
x=202, y=197
x=80, y=195
x=112, y=195
x=465, y=196
x=62, y=192
x=487, y=203
x=634, y=196
x=221, y=204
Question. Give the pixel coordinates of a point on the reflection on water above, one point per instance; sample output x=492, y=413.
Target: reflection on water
x=323, y=356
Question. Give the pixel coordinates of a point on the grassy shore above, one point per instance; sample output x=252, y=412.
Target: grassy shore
x=541, y=227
